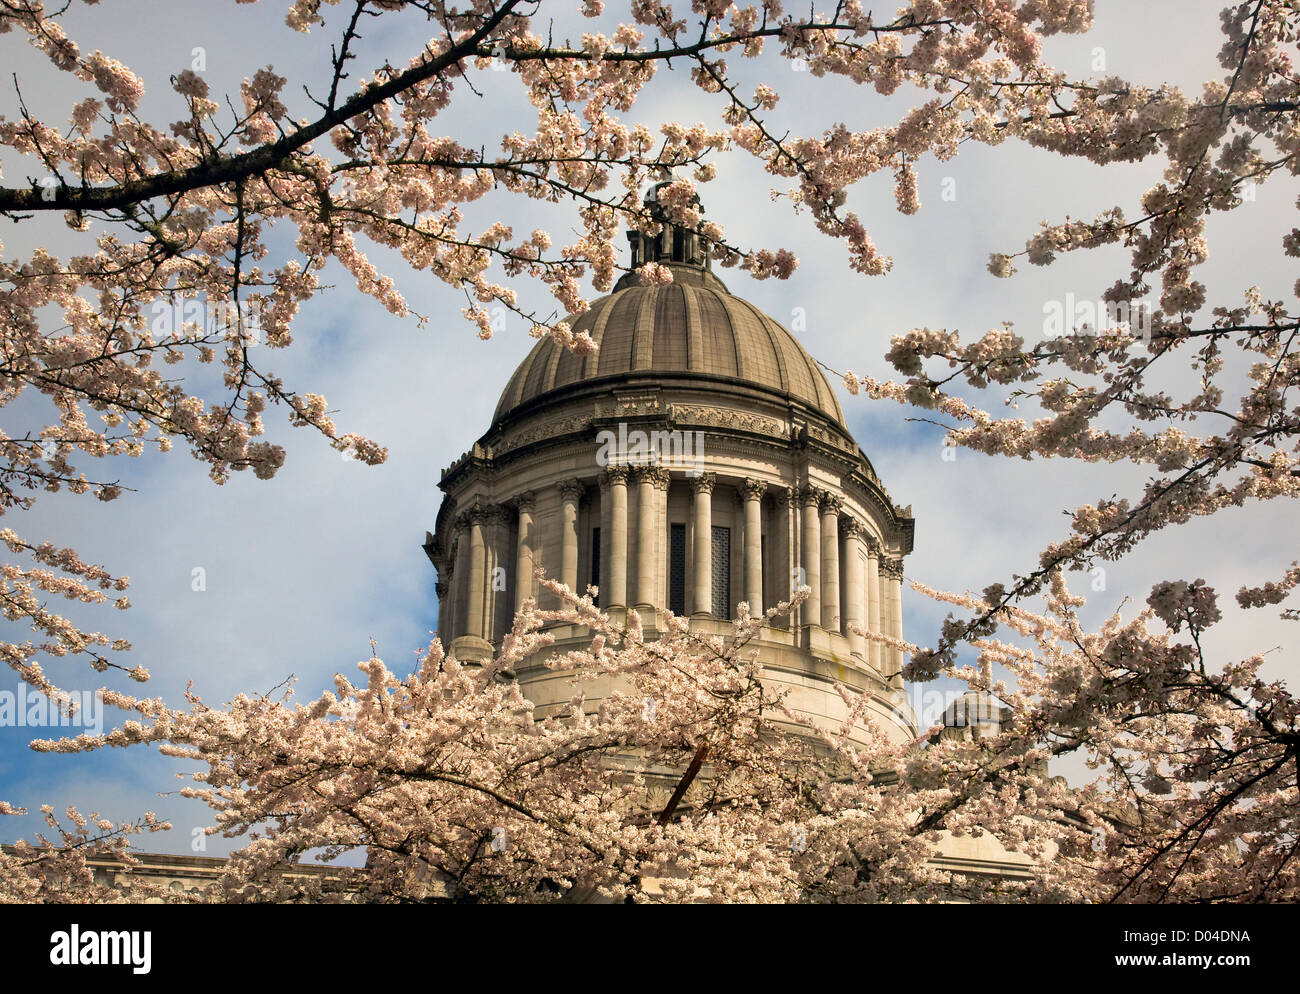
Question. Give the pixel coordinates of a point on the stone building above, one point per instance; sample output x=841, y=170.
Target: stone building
x=698, y=459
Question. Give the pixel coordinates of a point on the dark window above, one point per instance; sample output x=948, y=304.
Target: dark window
x=721, y=572
x=677, y=569
x=595, y=561
x=679, y=245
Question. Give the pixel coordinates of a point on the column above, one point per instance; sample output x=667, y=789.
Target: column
x=830, y=508
x=650, y=480
x=886, y=617
x=752, y=491
x=662, y=486
x=477, y=571
x=500, y=561
x=787, y=506
x=810, y=555
x=896, y=619
x=468, y=595
x=586, y=530
x=702, y=486
x=524, y=564
x=570, y=494
x=444, y=619
x=616, y=584
x=873, y=601
x=853, y=595
x=461, y=572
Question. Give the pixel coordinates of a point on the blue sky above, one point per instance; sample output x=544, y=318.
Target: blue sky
x=302, y=571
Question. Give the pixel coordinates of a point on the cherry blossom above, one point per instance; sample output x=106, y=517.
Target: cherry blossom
x=445, y=778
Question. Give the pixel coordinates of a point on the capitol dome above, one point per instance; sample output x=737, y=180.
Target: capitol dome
x=697, y=459
x=691, y=330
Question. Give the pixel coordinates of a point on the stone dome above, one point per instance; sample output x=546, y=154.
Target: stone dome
x=690, y=331
x=697, y=460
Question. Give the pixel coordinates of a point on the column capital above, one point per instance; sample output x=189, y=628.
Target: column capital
x=810, y=496
x=616, y=473
x=830, y=503
x=526, y=502
x=703, y=484
x=441, y=587
x=462, y=521
x=892, y=566
x=571, y=490
x=789, y=496
x=656, y=476
x=852, y=527
x=753, y=489
x=487, y=513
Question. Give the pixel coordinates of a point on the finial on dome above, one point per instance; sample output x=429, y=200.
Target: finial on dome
x=674, y=244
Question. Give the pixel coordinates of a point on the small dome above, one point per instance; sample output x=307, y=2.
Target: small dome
x=691, y=330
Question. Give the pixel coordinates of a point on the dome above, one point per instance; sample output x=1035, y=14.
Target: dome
x=691, y=330
x=698, y=459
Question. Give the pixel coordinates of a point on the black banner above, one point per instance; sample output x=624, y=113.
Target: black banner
x=268, y=943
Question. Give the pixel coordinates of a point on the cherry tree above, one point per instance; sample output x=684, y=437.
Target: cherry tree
x=446, y=775
x=692, y=780
x=1206, y=752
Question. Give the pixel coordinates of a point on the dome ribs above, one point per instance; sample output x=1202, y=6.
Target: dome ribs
x=760, y=354
x=701, y=331
x=590, y=362
x=694, y=340
x=801, y=374
x=542, y=373
x=671, y=321
x=643, y=336
x=618, y=336
x=719, y=338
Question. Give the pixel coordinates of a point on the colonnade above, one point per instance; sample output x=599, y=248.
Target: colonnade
x=817, y=534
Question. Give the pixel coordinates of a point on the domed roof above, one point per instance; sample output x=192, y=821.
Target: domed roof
x=691, y=329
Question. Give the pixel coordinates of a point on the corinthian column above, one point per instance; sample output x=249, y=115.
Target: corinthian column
x=524, y=564
x=468, y=597
x=460, y=593
x=500, y=559
x=649, y=480
x=787, y=547
x=810, y=556
x=753, y=494
x=702, y=486
x=873, y=601
x=896, y=617
x=830, y=508
x=617, y=582
x=570, y=494
x=442, y=587
x=853, y=597
x=477, y=571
